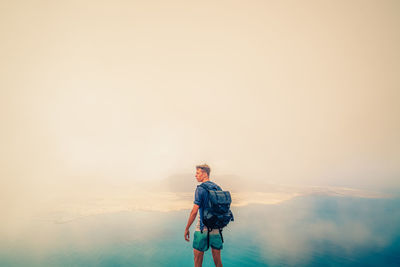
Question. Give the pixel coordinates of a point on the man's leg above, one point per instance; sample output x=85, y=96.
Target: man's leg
x=217, y=257
x=198, y=257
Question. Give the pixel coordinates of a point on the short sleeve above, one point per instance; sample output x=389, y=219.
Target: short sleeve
x=197, y=198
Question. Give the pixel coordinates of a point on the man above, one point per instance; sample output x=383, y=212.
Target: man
x=200, y=235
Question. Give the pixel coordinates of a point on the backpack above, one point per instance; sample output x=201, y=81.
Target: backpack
x=217, y=213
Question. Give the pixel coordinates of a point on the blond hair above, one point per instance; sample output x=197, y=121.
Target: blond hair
x=204, y=168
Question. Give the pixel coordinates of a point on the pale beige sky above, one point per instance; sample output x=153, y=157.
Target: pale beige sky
x=112, y=92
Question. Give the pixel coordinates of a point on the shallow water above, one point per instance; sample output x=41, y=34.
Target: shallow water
x=305, y=231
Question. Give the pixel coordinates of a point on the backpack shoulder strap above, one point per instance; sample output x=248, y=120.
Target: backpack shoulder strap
x=209, y=187
x=204, y=186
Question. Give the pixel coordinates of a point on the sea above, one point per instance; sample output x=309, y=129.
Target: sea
x=313, y=230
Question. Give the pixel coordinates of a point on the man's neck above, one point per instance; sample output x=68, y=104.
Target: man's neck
x=205, y=180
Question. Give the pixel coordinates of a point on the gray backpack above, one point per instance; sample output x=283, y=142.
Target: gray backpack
x=217, y=213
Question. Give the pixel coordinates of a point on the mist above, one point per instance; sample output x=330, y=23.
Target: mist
x=103, y=104
x=303, y=231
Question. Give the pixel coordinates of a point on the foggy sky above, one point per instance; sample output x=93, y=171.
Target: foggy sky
x=115, y=92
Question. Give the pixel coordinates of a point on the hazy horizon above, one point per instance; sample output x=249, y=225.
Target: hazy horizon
x=99, y=98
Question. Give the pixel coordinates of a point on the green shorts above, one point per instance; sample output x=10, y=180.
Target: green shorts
x=200, y=241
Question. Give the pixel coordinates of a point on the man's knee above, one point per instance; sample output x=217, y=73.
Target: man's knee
x=217, y=257
x=198, y=253
x=216, y=253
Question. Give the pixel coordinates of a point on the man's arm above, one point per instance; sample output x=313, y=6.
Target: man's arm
x=192, y=216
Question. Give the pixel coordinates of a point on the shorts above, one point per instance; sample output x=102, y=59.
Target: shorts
x=200, y=241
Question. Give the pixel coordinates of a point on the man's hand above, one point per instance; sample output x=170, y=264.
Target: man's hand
x=187, y=235
x=192, y=216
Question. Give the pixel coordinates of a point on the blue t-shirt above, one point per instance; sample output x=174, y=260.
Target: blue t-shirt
x=201, y=198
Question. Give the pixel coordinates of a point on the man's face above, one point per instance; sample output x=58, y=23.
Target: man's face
x=200, y=175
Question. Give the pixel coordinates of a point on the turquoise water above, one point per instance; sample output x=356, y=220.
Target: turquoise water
x=306, y=231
